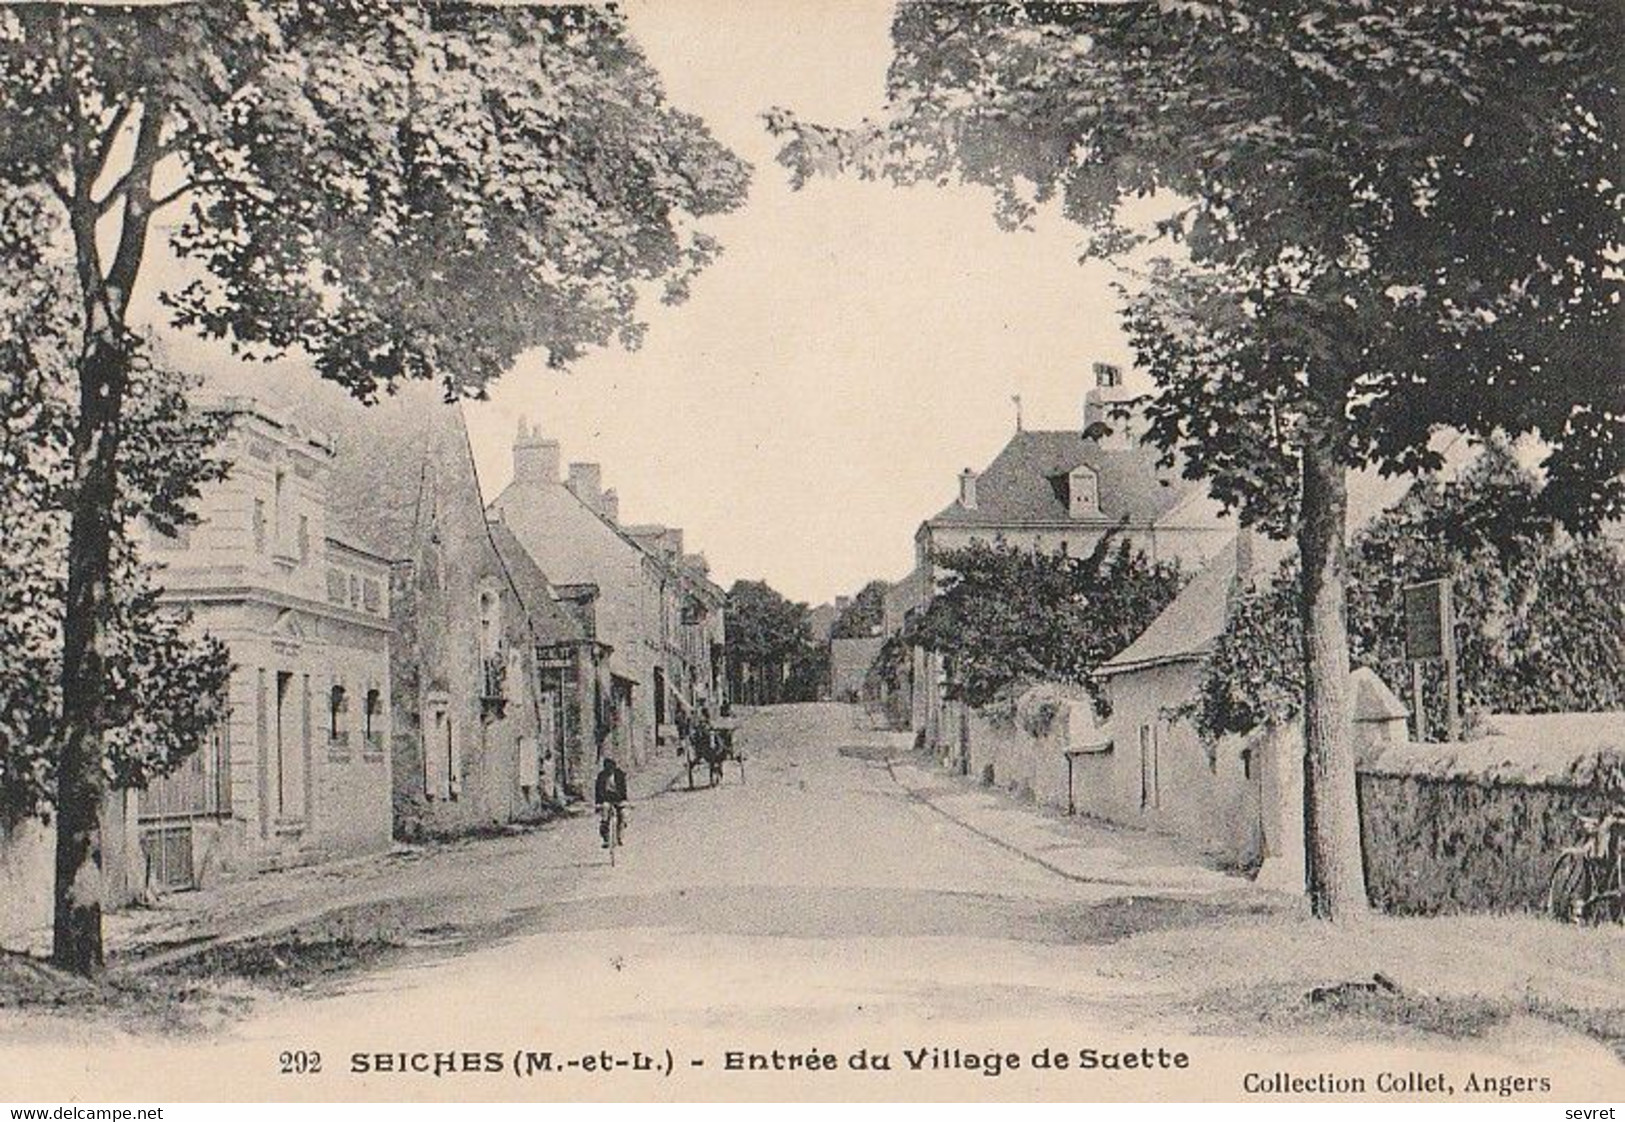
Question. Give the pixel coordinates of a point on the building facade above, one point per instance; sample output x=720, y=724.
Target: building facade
x=300, y=766
x=656, y=616
x=1059, y=491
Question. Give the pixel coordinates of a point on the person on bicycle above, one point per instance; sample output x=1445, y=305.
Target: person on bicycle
x=609, y=792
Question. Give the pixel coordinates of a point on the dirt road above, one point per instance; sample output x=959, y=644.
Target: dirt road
x=818, y=909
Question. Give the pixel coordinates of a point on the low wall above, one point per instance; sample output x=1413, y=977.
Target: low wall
x=1448, y=837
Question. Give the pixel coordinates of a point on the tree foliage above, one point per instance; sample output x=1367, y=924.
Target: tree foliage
x=1540, y=624
x=399, y=189
x=1384, y=219
x=864, y=615
x=771, y=653
x=1006, y=616
x=167, y=681
x=1343, y=261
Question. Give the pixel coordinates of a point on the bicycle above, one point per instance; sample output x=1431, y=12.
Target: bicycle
x=611, y=826
x=1588, y=881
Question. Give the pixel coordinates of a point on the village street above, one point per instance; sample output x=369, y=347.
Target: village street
x=838, y=898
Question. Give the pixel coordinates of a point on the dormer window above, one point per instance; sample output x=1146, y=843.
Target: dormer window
x=1083, y=493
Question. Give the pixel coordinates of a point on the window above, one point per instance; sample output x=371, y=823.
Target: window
x=490, y=624
x=259, y=525
x=304, y=538
x=372, y=720
x=442, y=755
x=1108, y=376
x=277, y=529
x=491, y=655
x=338, y=730
x=355, y=591
x=1083, y=492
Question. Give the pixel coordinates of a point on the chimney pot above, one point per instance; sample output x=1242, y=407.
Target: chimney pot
x=587, y=481
x=610, y=506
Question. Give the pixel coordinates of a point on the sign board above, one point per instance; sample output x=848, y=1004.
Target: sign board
x=554, y=658
x=1428, y=621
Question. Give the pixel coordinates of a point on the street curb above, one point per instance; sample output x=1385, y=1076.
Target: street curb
x=1076, y=878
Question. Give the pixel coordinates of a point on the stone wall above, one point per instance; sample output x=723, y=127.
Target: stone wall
x=1446, y=831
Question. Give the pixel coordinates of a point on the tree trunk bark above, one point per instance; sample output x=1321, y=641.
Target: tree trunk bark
x=81, y=783
x=1331, y=817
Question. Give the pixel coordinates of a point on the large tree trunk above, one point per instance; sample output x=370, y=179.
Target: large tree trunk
x=81, y=784
x=1331, y=816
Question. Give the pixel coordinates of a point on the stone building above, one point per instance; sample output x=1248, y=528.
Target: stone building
x=654, y=610
x=1061, y=491
x=301, y=765
x=466, y=704
x=567, y=660
x=470, y=713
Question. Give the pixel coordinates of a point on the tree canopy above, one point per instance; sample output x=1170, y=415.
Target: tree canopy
x=168, y=680
x=1540, y=626
x=864, y=615
x=398, y=189
x=1006, y=616
x=1335, y=257
x=1383, y=220
x=771, y=653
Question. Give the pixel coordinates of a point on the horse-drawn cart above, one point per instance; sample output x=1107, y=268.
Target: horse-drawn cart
x=711, y=747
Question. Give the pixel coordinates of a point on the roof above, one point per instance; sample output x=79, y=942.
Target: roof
x=550, y=621
x=1188, y=627
x=1017, y=486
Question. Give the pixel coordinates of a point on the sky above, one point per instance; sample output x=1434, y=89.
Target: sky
x=855, y=347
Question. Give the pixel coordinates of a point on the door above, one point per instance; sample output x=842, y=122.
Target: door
x=288, y=755
x=1150, y=780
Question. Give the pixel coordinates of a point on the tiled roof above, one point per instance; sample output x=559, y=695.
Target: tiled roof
x=551, y=622
x=1188, y=628
x=1019, y=486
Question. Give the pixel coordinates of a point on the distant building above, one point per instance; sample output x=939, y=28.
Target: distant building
x=849, y=663
x=653, y=609
x=566, y=659
x=1060, y=491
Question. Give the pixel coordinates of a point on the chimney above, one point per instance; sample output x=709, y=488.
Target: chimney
x=1103, y=405
x=672, y=539
x=610, y=505
x=535, y=458
x=967, y=489
x=842, y=603
x=587, y=481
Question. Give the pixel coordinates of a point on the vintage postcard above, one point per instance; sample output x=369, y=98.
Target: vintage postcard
x=870, y=550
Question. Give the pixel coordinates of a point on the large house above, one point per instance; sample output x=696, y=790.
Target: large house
x=1060, y=491
x=473, y=727
x=301, y=765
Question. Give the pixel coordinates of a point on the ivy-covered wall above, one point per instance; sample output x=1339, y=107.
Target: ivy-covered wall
x=1459, y=844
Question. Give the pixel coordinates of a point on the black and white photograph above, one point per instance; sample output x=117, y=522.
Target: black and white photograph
x=868, y=550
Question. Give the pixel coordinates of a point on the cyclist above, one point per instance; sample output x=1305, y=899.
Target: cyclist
x=609, y=793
